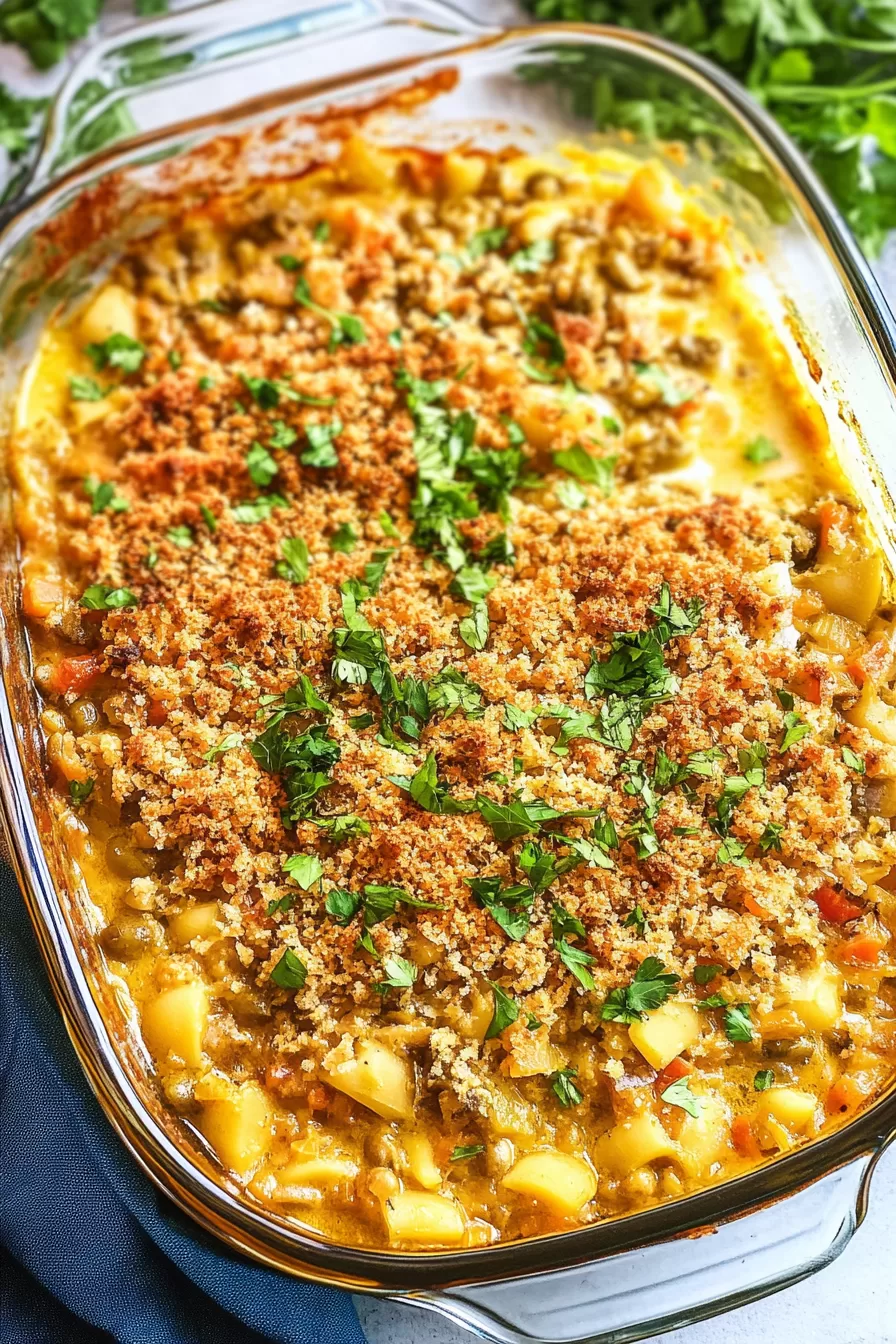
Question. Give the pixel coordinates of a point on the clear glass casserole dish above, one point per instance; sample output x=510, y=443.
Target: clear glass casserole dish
x=436, y=82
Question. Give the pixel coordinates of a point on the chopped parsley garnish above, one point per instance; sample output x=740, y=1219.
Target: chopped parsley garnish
x=290, y=971
x=486, y=240
x=345, y=328
x=472, y=584
x=320, y=451
x=533, y=256
x=258, y=510
x=508, y=820
x=321, y=231
x=175, y=359
x=679, y=1094
x=342, y=906
x=516, y=719
x=451, y=690
x=208, y=518
x=389, y=528
x=103, y=495
x=395, y=338
x=261, y=465
x=152, y=558
x=564, y=1089
x=295, y=563
x=399, y=974
x=303, y=761
x=637, y=920
x=714, y=1001
x=634, y=676
x=853, y=760
x=226, y=744
x=763, y=1080
x=466, y=1150
x=770, y=839
x=86, y=389
x=592, y=470
x=344, y=539
x=506, y=1012
x=100, y=598
x=794, y=731
x=670, y=393
x=704, y=974
x=649, y=989
x=205, y=383
x=575, y=959
x=304, y=869
x=761, y=450
x=117, y=352
x=80, y=790
x=738, y=1027
x=508, y=906
x=610, y=424
x=181, y=536
x=428, y=793
x=570, y=495
x=266, y=393
x=733, y=851
x=282, y=436
x=473, y=629
x=542, y=340
x=342, y=828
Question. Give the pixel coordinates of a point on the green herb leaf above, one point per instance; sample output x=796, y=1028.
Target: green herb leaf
x=117, y=351
x=564, y=1089
x=486, y=240
x=258, y=510
x=80, y=790
x=670, y=393
x=342, y=828
x=472, y=584
x=321, y=452
x=464, y=1151
x=261, y=465
x=103, y=495
x=761, y=450
x=637, y=920
x=506, y=1012
x=321, y=231
x=208, y=518
x=649, y=989
x=593, y=470
x=342, y=906
x=533, y=256
x=763, y=1080
x=290, y=971
x=738, y=1027
x=304, y=869
x=794, y=731
x=226, y=744
x=704, y=974
x=100, y=598
x=296, y=563
x=473, y=629
x=181, y=536
x=86, y=389
x=679, y=1094
x=344, y=539
x=853, y=760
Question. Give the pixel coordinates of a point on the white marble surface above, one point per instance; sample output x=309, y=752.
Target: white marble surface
x=846, y=1303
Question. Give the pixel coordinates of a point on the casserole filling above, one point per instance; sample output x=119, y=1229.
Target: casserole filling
x=467, y=687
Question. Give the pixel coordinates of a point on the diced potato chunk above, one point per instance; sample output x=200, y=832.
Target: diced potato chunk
x=791, y=1107
x=850, y=588
x=817, y=1000
x=424, y=1218
x=703, y=1139
x=174, y=1023
x=239, y=1128
x=561, y=1181
x=378, y=1078
x=872, y=713
x=316, y=1171
x=667, y=1031
x=463, y=174
x=367, y=167
x=653, y=195
x=421, y=1163
x=633, y=1144
x=199, y=921
x=113, y=310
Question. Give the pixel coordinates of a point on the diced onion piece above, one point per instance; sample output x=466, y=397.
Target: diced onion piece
x=561, y=1181
x=174, y=1023
x=421, y=1163
x=667, y=1031
x=424, y=1218
x=378, y=1078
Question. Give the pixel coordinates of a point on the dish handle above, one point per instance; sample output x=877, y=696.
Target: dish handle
x=672, y=1283
x=203, y=48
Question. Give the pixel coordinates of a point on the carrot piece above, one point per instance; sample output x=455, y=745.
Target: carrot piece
x=40, y=597
x=75, y=674
x=808, y=686
x=871, y=665
x=157, y=713
x=743, y=1138
x=755, y=908
x=835, y=906
x=675, y=1069
x=865, y=948
x=845, y=1095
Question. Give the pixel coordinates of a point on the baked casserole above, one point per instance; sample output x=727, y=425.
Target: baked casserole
x=466, y=682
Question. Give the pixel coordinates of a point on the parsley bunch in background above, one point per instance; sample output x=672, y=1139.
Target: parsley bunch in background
x=826, y=69
x=45, y=28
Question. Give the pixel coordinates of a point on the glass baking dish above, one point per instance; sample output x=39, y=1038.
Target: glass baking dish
x=437, y=79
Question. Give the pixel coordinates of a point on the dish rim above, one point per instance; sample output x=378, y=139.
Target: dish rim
x=232, y=1217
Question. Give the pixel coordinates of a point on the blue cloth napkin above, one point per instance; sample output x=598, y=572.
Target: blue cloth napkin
x=93, y=1252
